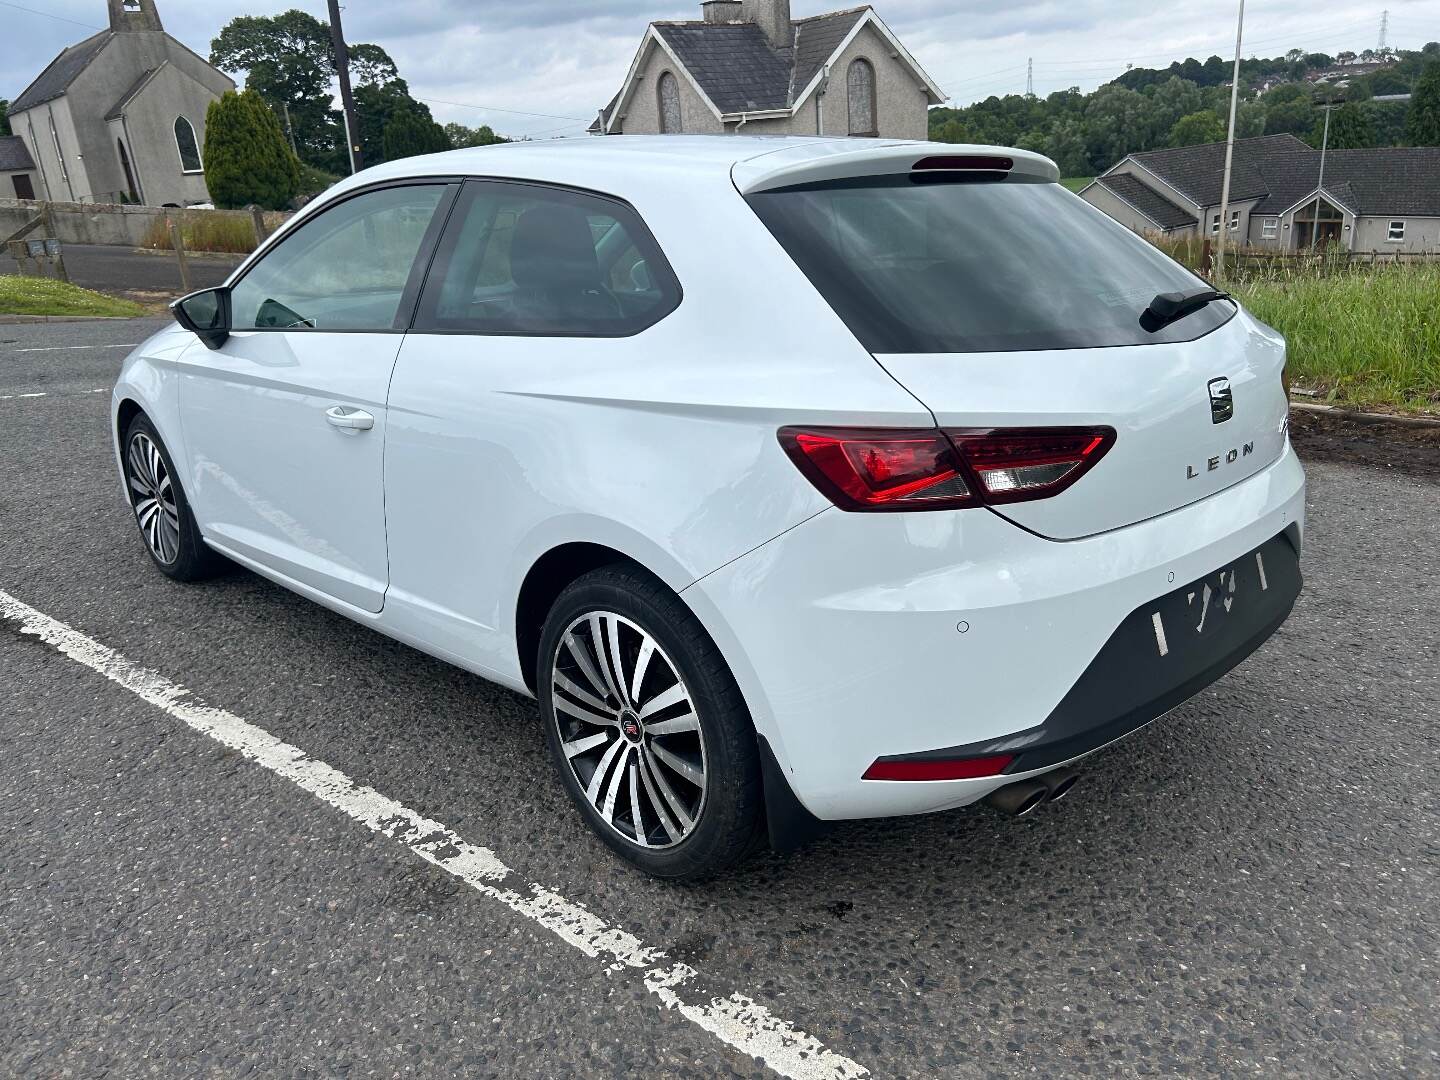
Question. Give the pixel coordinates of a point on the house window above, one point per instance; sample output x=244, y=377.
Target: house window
x=1397, y=231
x=1270, y=228
x=671, y=119
x=130, y=192
x=59, y=154
x=1214, y=224
x=1234, y=220
x=861, y=85
x=189, y=148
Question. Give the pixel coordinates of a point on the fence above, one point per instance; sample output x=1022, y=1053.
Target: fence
x=124, y=225
x=1251, y=262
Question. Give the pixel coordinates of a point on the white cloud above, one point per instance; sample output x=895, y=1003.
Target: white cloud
x=562, y=59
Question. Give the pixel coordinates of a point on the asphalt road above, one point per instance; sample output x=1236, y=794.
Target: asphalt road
x=140, y=275
x=1249, y=887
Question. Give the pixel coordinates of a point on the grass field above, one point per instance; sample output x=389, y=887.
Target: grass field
x=42, y=296
x=1364, y=338
x=1075, y=183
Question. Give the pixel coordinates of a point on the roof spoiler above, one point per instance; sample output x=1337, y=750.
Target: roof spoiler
x=843, y=160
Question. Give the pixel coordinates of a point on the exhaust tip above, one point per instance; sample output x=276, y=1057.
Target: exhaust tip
x=1060, y=783
x=1019, y=799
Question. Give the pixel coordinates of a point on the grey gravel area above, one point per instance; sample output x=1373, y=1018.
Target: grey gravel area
x=1247, y=887
x=144, y=275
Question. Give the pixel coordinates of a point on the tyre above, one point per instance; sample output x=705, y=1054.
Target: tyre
x=161, y=510
x=647, y=728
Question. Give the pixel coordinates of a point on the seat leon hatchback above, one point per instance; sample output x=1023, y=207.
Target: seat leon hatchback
x=798, y=479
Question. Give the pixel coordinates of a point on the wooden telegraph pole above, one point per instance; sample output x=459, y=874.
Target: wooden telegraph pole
x=347, y=99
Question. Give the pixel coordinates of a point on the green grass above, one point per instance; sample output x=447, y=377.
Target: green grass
x=1365, y=337
x=43, y=296
x=1075, y=183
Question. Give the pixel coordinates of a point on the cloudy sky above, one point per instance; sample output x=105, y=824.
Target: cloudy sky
x=543, y=67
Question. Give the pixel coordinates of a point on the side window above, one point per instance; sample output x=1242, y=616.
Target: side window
x=861, y=91
x=671, y=118
x=345, y=269
x=548, y=262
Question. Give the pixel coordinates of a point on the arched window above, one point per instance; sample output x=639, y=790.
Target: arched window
x=187, y=145
x=861, y=80
x=668, y=91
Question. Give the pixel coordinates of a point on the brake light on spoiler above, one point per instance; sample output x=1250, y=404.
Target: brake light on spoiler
x=872, y=470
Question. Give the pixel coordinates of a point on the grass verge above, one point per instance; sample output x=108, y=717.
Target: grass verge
x=1367, y=338
x=43, y=296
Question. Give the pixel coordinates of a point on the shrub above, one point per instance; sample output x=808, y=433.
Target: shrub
x=246, y=158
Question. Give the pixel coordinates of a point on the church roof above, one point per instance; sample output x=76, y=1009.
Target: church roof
x=63, y=70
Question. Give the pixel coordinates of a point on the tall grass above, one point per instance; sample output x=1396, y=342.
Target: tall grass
x=232, y=232
x=1360, y=336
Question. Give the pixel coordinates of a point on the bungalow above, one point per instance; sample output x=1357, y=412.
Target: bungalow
x=1385, y=200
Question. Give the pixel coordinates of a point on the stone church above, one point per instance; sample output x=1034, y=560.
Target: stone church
x=120, y=114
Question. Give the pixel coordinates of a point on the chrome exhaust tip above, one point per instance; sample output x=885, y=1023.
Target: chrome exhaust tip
x=1060, y=783
x=1019, y=799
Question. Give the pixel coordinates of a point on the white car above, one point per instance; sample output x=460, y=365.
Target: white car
x=799, y=479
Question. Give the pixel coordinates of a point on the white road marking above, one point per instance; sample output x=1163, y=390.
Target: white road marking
x=74, y=348
x=20, y=397
x=737, y=1021
x=23, y=397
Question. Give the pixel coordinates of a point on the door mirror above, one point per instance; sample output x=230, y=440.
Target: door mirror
x=205, y=314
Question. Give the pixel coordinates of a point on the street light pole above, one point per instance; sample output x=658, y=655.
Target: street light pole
x=347, y=99
x=1229, y=152
x=1320, y=184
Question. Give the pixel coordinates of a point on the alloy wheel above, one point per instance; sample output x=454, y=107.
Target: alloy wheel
x=152, y=492
x=629, y=730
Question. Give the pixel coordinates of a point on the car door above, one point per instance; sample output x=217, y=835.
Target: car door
x=285, y=424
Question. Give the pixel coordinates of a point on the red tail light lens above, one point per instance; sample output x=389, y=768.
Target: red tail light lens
x=882, y=469
x=1021, y=465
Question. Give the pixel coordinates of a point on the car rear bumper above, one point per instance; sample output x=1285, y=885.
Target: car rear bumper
x=960, y=635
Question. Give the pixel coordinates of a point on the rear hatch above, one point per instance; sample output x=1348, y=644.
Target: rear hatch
x=1000, y=300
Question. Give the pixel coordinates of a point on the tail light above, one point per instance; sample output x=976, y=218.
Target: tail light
x=885, y=469
x=900, y=769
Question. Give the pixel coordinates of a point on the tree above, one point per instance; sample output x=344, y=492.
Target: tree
x=1198, y=127
x=4, y=120
x=952, y=131
x=1350, y=129
x=287, y=59
x=246, y=157
x=1295, y=117
x=1173, y=99
x=408, y=133
x=462, y=136
x=1422, y=126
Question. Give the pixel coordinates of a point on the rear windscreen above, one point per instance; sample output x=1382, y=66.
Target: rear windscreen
x=936, y=267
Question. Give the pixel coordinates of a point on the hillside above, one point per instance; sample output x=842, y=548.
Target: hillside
x=1188, y=103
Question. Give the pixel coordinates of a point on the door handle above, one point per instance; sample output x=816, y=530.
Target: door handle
x=351, y=420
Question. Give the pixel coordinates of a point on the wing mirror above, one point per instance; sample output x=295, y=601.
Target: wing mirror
x=206, y=314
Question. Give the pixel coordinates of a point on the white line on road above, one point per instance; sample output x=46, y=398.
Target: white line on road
x=73, y=348
x=737, y=1020
x=19, y=397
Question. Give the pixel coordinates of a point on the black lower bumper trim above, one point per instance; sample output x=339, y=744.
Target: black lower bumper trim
x=1163, y=654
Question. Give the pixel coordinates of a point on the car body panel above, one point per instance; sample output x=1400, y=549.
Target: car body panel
x=267, y=474
x=1169, y=451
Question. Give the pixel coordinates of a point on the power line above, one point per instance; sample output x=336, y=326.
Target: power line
x=49, y=15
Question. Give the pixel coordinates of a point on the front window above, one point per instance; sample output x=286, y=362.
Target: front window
x=1235, y=221
x=1215, y=225
x=861, y=87
x=189, y=148
x=671, y=119
x=548, y=262
x=347, y=268
x=957, y=267
x=1270, y=228
x=1397, y=231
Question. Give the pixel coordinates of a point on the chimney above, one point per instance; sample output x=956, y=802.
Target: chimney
x=773, y=17
x=721, y=11
x=132, y=15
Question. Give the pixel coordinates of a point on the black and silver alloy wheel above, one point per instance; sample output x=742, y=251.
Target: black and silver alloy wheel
x=152, y=493
x=629, y=729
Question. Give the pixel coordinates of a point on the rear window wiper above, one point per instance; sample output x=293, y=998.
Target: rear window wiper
x=1171, y=307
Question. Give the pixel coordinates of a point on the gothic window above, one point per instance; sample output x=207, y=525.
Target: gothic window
x=188, y=146
x=862, y=98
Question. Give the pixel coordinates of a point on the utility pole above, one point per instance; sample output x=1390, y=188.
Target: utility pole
x=1384, y=31
x=1324, y=146
x=1229, y=153
x=347, y=99
x=1030, y=78
x=289, y=129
